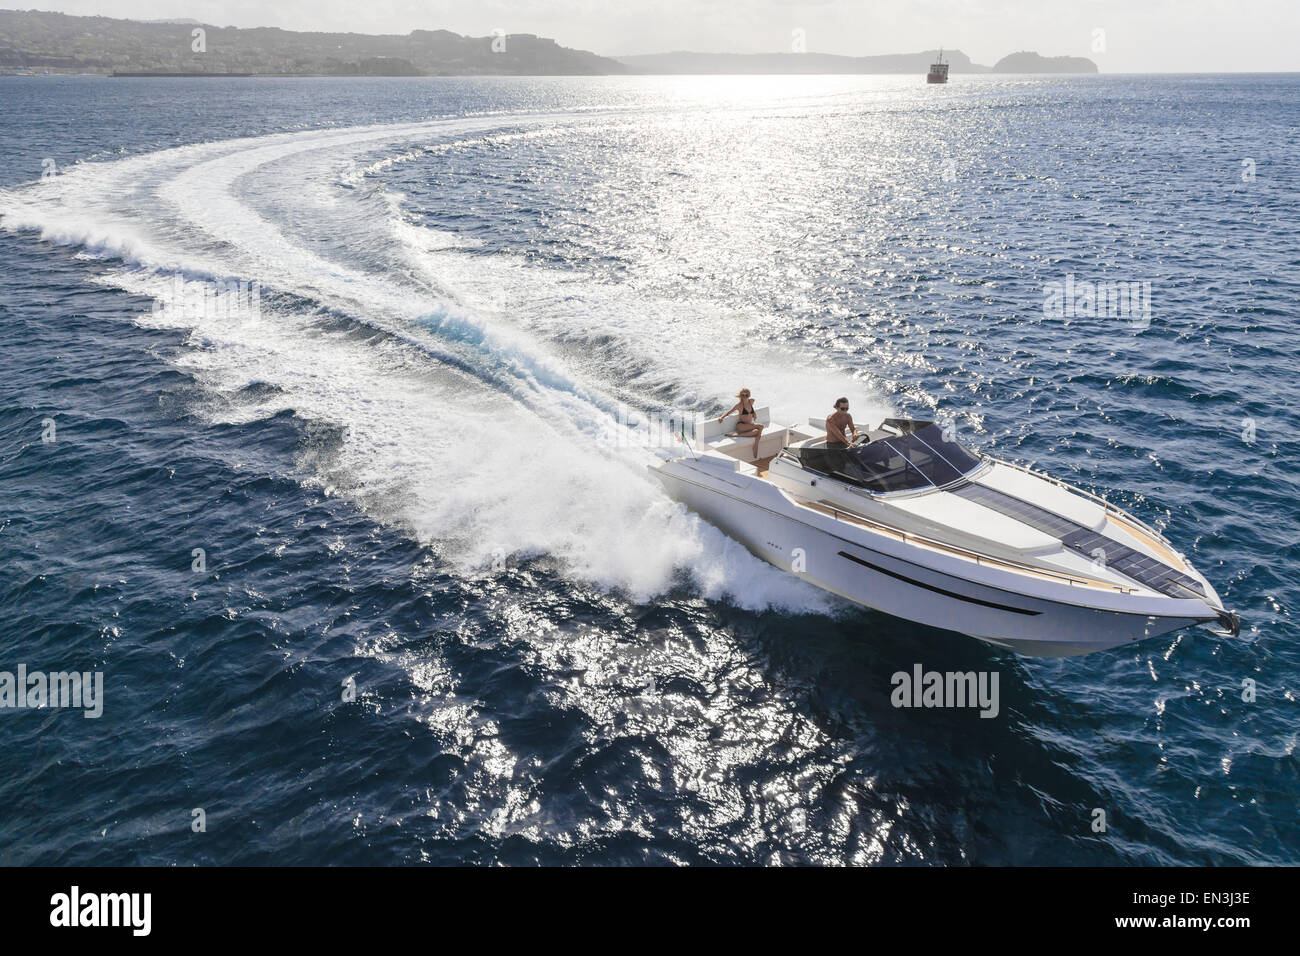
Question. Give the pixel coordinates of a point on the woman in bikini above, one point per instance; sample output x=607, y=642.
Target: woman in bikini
x=747, y=424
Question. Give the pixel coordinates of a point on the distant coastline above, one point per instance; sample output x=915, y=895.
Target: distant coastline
x=123, y=73
x=740, y=64
x=35, y=42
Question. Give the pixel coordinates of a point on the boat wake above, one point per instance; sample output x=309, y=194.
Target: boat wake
x=467, y=402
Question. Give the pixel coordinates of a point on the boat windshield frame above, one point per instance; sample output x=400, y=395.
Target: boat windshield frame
x=915, y=461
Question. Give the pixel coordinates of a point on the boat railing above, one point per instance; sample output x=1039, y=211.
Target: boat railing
x=910, y=537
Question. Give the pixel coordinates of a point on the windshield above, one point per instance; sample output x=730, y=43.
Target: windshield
x=920, y=459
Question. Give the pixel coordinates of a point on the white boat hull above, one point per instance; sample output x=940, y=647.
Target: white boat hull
x=878, y=572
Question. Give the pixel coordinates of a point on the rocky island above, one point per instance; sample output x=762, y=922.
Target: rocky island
x=1026, y=62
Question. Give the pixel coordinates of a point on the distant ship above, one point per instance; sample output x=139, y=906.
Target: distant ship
x=938, y=71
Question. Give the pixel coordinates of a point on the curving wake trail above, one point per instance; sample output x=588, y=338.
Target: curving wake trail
x=462, y=414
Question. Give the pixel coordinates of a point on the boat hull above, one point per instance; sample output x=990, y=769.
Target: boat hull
x=860, y=569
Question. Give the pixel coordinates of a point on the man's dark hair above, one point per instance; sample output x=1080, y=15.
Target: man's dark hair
x=838, y=401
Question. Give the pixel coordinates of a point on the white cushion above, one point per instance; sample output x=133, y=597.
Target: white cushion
x=707, y=428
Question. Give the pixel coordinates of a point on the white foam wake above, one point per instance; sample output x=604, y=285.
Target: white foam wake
x=466, y=421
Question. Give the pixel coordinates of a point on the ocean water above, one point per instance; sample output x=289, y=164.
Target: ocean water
x=414, y=463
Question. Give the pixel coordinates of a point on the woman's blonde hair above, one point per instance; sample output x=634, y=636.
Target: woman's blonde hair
x=743, y=393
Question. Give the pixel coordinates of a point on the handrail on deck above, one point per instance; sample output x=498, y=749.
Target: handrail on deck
x=980, y=559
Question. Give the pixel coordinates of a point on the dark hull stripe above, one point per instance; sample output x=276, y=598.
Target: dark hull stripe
x=931, y=587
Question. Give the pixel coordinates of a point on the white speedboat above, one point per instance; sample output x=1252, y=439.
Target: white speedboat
x=908, y=523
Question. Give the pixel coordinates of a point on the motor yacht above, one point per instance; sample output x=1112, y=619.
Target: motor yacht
x=911, y=523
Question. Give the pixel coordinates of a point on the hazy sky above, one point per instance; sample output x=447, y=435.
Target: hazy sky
x=1137, y=35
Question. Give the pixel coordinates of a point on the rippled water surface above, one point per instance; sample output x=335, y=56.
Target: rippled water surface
x=410, y=467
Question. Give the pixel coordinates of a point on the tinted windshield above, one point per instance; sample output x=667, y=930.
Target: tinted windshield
x=898, y=463
x=929, y=438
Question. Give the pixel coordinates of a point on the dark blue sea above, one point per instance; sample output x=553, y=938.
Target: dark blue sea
x=323, y=407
